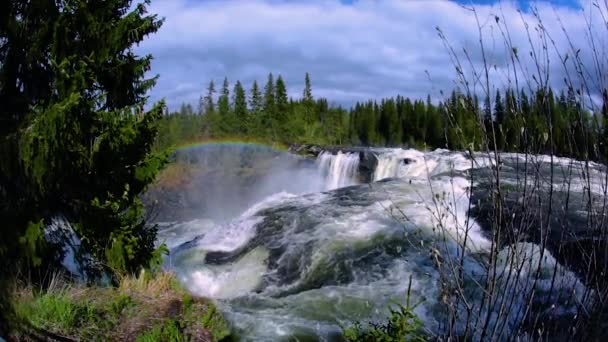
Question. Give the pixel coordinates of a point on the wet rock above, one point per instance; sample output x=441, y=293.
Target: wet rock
x=368, y=161
x=560, y=217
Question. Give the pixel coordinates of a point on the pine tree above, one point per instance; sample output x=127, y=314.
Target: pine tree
x=201, y=105
x=308, y=100
x=394, y=126
x=269, y=96
x=307, y=96
x=434, y=127
x=256, y=105
x=279, y=119
x=255, y=102
x=74, y=138
x=488, y=121
x=499, y=115
x=499, y=109
x=211, y=118
x=512, y=121
x=209, y=106
x=224, y=100
x=225, y=122
x=269, y=106
x=281, y=98
x=240, y=109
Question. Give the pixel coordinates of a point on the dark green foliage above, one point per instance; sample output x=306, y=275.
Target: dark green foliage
x=402, y=325
x=517, y=120
x=209, y=105
x=240, y=108
x=256, y=103
x=279, y=119
x=74, y=138
x=307, y=95
x=269, y=104
x=225, y=121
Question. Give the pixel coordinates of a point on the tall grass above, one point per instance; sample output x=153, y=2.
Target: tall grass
x=544, y=275
x=145, y=308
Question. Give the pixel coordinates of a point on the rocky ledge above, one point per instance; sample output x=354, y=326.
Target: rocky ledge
x=368, y=160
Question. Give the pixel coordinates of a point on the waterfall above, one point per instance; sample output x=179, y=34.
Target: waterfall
x=308, y=262
x=388, y=166
x=339, y=170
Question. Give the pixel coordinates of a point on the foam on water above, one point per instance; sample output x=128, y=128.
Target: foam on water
x=418, y=164
x=175, y=234
x=228, y=281
x=302, y=265
x=230, y=236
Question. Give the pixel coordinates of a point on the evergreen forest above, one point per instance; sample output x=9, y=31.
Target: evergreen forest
x=512, y=120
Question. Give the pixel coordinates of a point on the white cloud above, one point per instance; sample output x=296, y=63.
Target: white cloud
x=368, y=49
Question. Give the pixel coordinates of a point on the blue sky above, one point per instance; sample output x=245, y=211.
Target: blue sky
x=354, y=51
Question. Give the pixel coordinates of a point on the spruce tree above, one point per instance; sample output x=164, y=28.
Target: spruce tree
x=269, y=96
x=240, y=108
x=308, y=100
x=434, y=126
x=499, y=108
x=280, y=117
x=225, y=124
x=269, y=106
x=307, y=96
x=281, y=98
x=488, y=120
x=255, y=101
x=211, y=119
x=209, y=105
x=256, y=105
x=224, y=100
x=75, y=139
x=499, y=115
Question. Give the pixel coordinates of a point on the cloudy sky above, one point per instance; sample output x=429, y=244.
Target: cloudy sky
x=353, y=49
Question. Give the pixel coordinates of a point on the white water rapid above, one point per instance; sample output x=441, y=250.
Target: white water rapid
x=298, y=265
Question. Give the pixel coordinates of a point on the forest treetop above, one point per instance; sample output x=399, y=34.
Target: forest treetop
x=460, y=121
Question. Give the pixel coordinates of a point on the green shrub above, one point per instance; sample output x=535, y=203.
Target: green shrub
x=403, y=325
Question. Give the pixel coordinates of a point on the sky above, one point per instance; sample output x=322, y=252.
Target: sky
x=354, y=50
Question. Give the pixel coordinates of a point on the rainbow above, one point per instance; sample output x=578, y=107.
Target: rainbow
x=205, y=143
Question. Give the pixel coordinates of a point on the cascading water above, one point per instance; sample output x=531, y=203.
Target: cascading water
x=414, y=163
x=302, y=265
x=339, y=170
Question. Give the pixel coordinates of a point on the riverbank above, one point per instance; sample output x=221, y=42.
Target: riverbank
x=147, y=308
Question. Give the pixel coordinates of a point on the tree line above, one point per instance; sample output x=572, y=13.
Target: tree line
x=262, y=112
x=509, y=120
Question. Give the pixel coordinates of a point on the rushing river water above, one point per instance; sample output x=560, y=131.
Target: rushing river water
x=319, y=250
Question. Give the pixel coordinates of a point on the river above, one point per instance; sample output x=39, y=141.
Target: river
x=306, y=246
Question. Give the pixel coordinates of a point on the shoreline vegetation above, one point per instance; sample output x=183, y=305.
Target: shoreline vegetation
x=150, y=307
